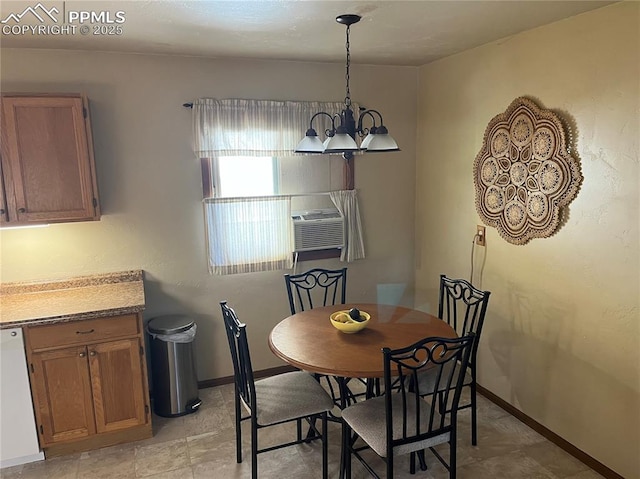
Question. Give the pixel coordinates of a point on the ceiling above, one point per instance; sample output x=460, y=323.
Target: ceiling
x=391, y=32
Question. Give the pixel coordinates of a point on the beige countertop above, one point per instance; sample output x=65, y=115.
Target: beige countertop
x=86, y=297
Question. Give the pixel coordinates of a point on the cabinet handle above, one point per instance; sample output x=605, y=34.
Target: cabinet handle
x=2, y=211
x=85, y=332
x=22, y=210
x=92, y=353
x=82, y=355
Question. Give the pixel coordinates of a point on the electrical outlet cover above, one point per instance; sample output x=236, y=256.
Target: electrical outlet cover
x=480, y=236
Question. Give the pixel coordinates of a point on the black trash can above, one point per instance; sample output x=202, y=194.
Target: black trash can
x=175, y=385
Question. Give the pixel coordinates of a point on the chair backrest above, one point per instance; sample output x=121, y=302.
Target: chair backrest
x=463, y=306
x=239, y=347
x=316, y=287
x=409, y=418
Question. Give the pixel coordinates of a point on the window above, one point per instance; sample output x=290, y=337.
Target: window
x=248, y=234
x=247, y=221
x=244, y=146
x=245, y=176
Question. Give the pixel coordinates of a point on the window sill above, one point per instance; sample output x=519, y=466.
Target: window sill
x=318, y=254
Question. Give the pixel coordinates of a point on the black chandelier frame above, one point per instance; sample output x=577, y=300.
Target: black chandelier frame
x=343, y=124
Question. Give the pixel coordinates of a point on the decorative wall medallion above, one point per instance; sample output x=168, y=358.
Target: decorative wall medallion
x=523, y=174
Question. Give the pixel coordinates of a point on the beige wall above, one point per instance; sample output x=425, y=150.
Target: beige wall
x=561, y=338
x=150, y=185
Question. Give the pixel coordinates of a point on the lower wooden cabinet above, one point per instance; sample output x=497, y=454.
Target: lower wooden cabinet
x=63, y=400
x=89, y=383
x=118, y=396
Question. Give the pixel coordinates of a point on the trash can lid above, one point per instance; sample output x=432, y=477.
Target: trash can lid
x=170, y=324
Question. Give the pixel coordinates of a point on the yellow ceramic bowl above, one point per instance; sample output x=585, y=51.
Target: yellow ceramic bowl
x=343, y=322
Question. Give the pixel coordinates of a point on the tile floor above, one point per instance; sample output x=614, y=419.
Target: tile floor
x=202, y=446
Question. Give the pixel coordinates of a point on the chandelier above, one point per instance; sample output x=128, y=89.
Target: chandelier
x=341, y=136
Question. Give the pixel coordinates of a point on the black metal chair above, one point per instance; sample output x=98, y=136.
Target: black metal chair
x=274, y=400
x=463, y=307
x=402, y=421
x=316, y=287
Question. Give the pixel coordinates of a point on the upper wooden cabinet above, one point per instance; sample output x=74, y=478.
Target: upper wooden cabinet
x=48, y=171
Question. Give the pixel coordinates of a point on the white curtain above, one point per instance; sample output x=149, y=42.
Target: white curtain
x=249, y=234
x=346, y=202
x=236, y=127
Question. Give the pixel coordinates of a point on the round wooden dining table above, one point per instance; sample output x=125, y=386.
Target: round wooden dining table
x=308, y=340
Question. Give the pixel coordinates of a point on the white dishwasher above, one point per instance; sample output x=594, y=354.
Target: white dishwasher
x=18, y=434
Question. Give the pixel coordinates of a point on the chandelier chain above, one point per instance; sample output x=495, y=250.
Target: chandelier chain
x=347, y=100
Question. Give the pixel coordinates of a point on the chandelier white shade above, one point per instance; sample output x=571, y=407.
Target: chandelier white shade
x=340, y=142
x=379, y=139
x=342, y=136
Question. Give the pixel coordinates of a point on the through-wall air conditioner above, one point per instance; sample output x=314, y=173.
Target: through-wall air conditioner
x=318, y=229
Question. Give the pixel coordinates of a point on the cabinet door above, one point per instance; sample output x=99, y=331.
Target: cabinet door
x=62, y=395
x=117, y=380
x=48, y=170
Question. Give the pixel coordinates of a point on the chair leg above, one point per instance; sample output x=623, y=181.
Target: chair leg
x=423, y=460
x=373, y=388
x=370, y=389
x=254, y=449
x=325, y=447
x=238, y=429
x=345, y=453
x=390, y=467
x=452, y=454
x=312, y=420
x=412, y=463
x=474, y=417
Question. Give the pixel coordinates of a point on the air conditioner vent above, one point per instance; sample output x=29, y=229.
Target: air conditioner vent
x=316, y=230
x=321, y=215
